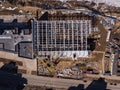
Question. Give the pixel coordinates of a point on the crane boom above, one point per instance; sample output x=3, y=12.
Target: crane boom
x=49, y=68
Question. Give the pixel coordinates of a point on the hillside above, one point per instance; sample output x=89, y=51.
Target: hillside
x=19, y=7
x=30, y=6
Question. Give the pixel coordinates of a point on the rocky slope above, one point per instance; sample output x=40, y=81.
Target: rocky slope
x=32, y=5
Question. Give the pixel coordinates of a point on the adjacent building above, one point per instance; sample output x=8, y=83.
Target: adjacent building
x=16, y=37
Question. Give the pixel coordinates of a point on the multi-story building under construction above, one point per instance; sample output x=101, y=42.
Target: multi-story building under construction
x=68, y=37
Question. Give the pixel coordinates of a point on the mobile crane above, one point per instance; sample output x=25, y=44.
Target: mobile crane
x=46, y=65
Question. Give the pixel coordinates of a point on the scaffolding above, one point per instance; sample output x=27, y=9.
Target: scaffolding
x=61, y=38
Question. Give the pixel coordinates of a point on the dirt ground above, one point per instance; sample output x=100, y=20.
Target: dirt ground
x=23, y=64
x=102, y=40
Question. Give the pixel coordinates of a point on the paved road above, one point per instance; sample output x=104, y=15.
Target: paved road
x=113, y=77
x=115, y=64
x=60, y=83
x=53, y=82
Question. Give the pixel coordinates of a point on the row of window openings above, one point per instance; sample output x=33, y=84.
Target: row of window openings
x=64, y=31
x=62, y=49
x=64, y=24
x=62, y=46
x=61, y=24
x=61, y=36
x=61, y=39
x=66, y=27
x=68, y=48
x=62, y=28
x=74, y=42
x=64, y=42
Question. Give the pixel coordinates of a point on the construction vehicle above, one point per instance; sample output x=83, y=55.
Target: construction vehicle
x=44, y=63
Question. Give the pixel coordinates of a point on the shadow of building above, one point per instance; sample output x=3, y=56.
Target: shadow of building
x=79, y=87
x=99, y=84
x=10, y=79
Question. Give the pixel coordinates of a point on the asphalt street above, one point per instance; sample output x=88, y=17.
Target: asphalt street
x=61, y=83
x=115, y=64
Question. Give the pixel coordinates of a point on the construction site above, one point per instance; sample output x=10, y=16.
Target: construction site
x=68, y=44
x=62, y=44
x=63, y=40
